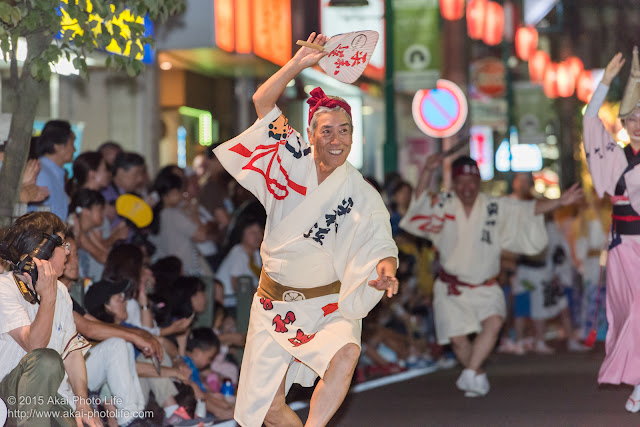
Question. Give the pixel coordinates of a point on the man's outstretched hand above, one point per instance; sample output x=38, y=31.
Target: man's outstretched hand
x=386, y=280
x=572, y=195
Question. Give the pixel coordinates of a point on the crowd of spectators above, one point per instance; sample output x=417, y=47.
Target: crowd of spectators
x=176, y=290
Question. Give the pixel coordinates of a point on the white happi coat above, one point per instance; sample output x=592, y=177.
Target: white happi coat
x=314, y=235
x=470, y=248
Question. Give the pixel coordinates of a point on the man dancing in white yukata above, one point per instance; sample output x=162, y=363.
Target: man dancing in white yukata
x=327, y=254
x=470, y=229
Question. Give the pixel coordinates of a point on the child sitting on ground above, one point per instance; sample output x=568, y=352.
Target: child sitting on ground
x=202, y=346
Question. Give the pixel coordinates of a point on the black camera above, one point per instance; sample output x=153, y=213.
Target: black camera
x=43, y=251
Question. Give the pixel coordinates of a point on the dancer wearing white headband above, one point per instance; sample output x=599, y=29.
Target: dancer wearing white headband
x=470, y=229
x=614, y=172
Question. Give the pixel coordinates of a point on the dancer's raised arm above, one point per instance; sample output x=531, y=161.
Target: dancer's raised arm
x=266, y=96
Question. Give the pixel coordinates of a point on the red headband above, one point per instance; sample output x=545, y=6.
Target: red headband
x=319, y=99
x=465, y=170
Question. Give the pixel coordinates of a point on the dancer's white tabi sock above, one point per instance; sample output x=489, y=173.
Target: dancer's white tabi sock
x=633, y=402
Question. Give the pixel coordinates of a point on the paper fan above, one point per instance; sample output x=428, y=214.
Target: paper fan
x=349, y=54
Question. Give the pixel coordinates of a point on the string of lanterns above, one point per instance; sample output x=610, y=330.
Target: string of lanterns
x=486, y=22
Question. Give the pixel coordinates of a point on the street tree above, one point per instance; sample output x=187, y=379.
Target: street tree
x=71, y=29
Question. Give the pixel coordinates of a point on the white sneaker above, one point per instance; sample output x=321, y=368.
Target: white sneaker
x=573, y=345
x=542, y=348
x=466, y=379
x=528, y=343
x=480, y=386
x=512, y=347
x=506, y=345
x=519, y=348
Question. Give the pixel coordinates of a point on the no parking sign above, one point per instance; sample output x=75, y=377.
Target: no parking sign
x=442, y=111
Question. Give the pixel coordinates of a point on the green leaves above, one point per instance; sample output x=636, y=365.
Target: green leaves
x=10, y=15
x=80, y=32
x=40, y=69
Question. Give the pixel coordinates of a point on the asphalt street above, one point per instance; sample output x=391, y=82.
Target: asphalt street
x=530, y=390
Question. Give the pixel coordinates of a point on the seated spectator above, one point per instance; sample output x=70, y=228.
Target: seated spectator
x=213, y=181
x=400, y=199
x=166, y=271
x=30, y=192
x=109, y=151
x=40, y=346
x=185, y=299
x=111, y=362
x=202, y=347
x=245, y=205
x=177, y=227
x=89, y=171
x=86, y=219
x=243, y=259
x=126, y=262
x=128, y=174
x=54, y=148
x=105, y=300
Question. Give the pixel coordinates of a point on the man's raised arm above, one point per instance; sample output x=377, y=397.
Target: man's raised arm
x=432, y=163
x=266, y=96
x=569, y=197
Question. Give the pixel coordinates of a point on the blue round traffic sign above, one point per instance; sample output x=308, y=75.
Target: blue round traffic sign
x=442, y=111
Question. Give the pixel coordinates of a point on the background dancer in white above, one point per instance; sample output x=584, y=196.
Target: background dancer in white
x=470, y=229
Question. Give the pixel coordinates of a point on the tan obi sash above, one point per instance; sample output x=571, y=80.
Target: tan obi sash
x=274, y=291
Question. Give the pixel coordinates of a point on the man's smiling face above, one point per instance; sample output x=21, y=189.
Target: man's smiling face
x=331, y=139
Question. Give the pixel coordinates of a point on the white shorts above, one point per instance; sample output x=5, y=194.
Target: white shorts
x=457, y=315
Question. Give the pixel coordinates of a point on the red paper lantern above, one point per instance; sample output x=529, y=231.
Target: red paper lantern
x=537, y=65
x=476, y=12
x=550, y=83
x=494, y=24
x=526, y=42
x=565, y=80
x=584, y=86
x=576, y=66
x=452, y=10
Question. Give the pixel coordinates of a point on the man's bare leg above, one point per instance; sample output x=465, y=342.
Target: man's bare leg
x=331, y=390
x=485, y=341
x=280, y=414
x=462, y=348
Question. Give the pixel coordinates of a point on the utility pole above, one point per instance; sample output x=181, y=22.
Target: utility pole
x=390, y=148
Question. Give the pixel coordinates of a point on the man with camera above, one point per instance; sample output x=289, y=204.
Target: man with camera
x=42, y=370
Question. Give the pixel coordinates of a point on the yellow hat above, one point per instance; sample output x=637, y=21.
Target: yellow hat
x=134, y=209
x=631, y=96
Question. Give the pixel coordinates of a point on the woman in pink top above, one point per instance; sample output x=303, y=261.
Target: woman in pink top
x=614, y=172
